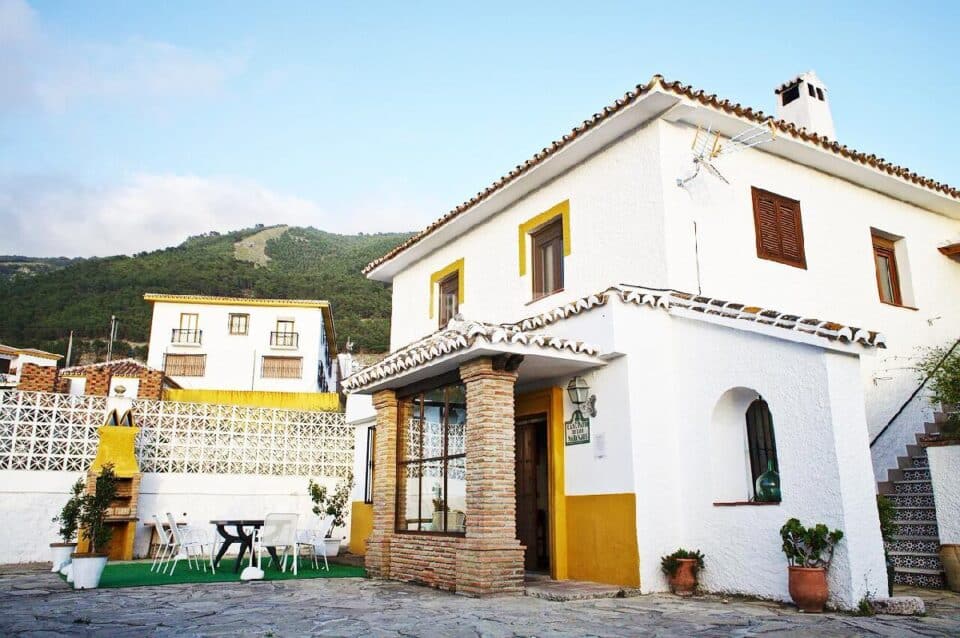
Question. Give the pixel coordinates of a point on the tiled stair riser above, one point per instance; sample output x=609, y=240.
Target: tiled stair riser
x=924, y=500
x=916, y=561
x=931, y=581
x=912, y=487
x=930, y=545
x=917, y=527
x=916, y=474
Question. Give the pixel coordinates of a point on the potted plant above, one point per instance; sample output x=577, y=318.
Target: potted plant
x=334, y=505
x=681, y=568
x=69, y=520
x=87, y=567
x=809, y=551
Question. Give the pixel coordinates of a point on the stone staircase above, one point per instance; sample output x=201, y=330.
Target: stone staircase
x=916, y=545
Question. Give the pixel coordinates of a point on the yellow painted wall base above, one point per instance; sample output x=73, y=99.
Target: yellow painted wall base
x=320, y=401
x=361, y=524
x=602, y=539
x=120, y=546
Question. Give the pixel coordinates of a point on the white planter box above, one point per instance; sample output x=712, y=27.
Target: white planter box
x=87, y=571
x=330, y=547
x=60, y=554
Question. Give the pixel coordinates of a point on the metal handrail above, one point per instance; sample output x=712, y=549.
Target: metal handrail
x=285, y=339
x=915, y=392
x=185, y=335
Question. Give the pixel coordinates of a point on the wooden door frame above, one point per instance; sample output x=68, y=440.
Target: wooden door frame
x=549, y=402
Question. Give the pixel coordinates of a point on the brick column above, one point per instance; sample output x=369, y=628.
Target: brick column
x=34, y=378
x=490, y=558
x=384, y=485
x=98, y=382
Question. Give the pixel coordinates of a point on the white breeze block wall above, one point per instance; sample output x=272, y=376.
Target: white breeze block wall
x=945, y=475
x=31, y=499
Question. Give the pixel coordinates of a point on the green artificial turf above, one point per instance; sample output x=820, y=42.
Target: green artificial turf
x=138, y=574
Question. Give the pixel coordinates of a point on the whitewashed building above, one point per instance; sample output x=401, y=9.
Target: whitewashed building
x=13, y=359
x=240, y=344
x=763, y=314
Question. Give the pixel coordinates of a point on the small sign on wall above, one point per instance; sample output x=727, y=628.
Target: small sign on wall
x=577, y=429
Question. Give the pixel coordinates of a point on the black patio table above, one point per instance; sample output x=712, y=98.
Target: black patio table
x=240, y=535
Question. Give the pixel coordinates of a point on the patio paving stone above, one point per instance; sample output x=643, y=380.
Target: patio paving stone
x=36, y=603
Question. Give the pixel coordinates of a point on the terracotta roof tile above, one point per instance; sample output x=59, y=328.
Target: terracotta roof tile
x=698, y=95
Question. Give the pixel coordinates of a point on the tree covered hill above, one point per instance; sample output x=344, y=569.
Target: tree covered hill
x=40, y=310
x=19, y=266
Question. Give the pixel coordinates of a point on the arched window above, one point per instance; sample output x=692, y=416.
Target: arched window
x=762, y=443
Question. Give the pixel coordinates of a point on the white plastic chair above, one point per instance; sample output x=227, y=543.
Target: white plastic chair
x=279, y=530
x=190, y=544
x=309, y=538
x=167, y=544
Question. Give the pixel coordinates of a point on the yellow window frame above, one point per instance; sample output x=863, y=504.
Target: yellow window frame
x=561, y=210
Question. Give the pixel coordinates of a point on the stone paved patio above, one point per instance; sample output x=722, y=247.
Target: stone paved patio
x=35, y=603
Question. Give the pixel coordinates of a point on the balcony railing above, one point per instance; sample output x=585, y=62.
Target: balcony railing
x=285, y=339
x=181, y=335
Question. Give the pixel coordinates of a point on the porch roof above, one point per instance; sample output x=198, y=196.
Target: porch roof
x=544, y=356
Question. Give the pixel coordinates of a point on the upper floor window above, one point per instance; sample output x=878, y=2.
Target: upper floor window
x=184, y=365
x=285, y=335
x=779, y=228
x=239, y=324
x=449, y=298
x=282, y=367
x=548, y=259
x=189, y=331
x=888, y=276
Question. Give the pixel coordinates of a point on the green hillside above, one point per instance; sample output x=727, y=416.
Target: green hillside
x=18, y=266
x=40, y=310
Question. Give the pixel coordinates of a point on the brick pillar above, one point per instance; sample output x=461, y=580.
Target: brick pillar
x=34, y=378
x=490, y=558
x=98, y=382
x=151, y=385
x=384, y=485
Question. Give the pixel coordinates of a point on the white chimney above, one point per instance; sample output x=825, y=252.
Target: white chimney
x=804, y=102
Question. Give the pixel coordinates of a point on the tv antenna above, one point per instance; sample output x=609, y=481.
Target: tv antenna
x=707, y=148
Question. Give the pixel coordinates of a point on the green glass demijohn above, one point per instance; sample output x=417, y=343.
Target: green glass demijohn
x=768, y=485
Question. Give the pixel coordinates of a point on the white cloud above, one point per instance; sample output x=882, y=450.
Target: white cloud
x=53, y=216
x=38, y=69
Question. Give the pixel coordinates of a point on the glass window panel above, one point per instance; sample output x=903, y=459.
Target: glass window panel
x=886, y=277
x=409, y=512
x=410, y=429
x=456, y=495
x=456, y=420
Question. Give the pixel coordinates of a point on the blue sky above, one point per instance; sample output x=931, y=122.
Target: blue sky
x=127, y=126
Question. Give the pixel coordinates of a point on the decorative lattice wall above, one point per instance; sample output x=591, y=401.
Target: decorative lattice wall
x=45, y=431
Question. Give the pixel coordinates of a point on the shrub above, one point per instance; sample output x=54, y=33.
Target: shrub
x=809, y=546
x=69, y=517
x=887, y=513
x=671, y=562
x=94, y=510
x=334, y=505
x=942, y=366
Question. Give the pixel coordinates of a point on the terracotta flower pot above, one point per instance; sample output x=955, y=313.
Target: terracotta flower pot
x=684, y=580
x=950, y=557
x=808, y=588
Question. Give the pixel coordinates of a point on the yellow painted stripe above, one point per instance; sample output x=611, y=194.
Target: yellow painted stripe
x=361, y=525
x=605, y=529
x=319, y=401
x=563, y=210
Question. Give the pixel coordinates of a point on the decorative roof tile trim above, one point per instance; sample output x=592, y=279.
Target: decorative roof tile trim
x=458, y=335
x=119, y=367
x=704, y=98
x=235, y=301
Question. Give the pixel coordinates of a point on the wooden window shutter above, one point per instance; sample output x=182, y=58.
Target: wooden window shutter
x=779, y=228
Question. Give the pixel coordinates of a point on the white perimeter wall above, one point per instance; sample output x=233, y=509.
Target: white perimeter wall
x=945, y=476
x=29, y=500
x=234, y=361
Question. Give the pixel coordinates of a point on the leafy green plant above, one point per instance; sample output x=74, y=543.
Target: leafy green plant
x=333, y=505
x=864, y=607
x=888, y=514
x=69, y=517
x=671, y=562
x=942, y=366
x=809, y=546
x=93, y=513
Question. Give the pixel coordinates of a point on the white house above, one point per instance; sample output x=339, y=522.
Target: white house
x=240, y=344
x=13, y=359
x=760, y=315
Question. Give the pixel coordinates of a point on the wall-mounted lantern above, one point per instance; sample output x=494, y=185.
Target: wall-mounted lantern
x=578, y=427
x=579, y=392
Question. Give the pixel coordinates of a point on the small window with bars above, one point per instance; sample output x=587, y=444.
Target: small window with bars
x=184, y=365
x=779, y=228
x=282, y=367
